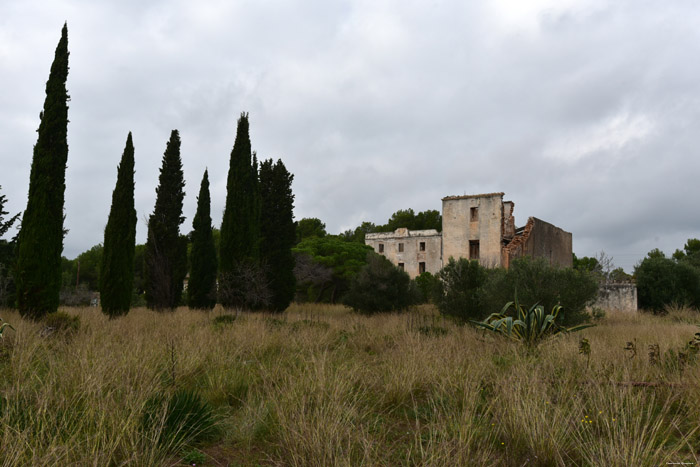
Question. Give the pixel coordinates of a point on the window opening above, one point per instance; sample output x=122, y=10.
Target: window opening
x=400, y=247
x=422, y=246
x=474, y=214
x=473, y=249
x=421, y=268
x=401, y=266
x=381, y=248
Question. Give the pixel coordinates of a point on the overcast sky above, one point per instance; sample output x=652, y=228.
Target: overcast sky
x=586, y=113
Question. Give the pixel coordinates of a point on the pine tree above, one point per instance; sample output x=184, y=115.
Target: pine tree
x=241, y=223
x=117, y=269
x=38, y=271
x=166, y=250
x=278, y=232
x=201, y=288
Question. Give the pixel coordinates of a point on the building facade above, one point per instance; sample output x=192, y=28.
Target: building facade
x=479, y=227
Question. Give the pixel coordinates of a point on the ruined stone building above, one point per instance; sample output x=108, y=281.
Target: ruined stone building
x=480, y=227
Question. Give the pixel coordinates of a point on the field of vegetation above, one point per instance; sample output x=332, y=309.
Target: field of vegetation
x=320, y=385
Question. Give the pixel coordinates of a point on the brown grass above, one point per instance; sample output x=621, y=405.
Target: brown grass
x=319, y=385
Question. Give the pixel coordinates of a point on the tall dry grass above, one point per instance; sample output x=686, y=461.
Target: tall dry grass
x=319, y=385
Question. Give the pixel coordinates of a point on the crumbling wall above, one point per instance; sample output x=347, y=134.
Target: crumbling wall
x=540, y=239
x=617, y=296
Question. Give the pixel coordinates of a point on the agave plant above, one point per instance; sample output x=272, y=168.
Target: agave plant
x=3, y=326
x=531, y=325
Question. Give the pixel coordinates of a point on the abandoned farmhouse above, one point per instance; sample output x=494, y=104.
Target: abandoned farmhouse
x=480, y=227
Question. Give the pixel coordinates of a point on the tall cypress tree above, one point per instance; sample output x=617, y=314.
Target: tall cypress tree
x=38, y=271
x=240, y=226
x=166, y=251
x=117, y=270
x=201, y=288
x=278, y=232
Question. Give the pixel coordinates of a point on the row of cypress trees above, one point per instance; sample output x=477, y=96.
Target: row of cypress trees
x=249, y=241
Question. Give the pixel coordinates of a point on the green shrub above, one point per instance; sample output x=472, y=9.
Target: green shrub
x=662, y=281
x=62, y=322
x=536, y=281
x=182, y=418
x=380, y=286
x=427, y=286
x=458, y=292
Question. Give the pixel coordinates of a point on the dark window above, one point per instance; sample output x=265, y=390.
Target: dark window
x=401, y=266
x=400, y=247
x=473, y=249
x=381, y=248
x=422, y=246
x=421, y=268
x=474, y=214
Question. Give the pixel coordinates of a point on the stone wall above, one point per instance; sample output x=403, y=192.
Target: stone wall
x=459, y=228
x=617, y=296
x=390, y=244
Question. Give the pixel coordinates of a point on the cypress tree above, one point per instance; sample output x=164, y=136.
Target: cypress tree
x=201, y=288
x=278, y=232
x=41, y=237
x=117, y=269
x=241, y=225
x=166, y=250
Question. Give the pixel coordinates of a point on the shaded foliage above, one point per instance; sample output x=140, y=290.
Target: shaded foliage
x=458, y=292
x=117, y=264
x=309, y=227
x=277, y=231
x=165, y=259
x=38, y=272
x=344, y=259
x=536, y=281
x=662, y=281
x=380, y=287
x=240, y=227
x=201, y=287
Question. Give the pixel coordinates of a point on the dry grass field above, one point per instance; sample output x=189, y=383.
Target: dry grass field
x=319, y=385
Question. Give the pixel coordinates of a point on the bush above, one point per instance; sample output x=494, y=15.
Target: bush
x=380, y=286
x=458, y=292
x=535, y=281
x=427, y=286
x=182, y=418
x=61, y=322
x=662, y=281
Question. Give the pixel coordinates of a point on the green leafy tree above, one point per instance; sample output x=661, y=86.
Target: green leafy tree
x=117, y=267
x=201, y=288
x=309, y=227
x=38, y=272
x=690, y=253
x=380, y=287
x=166, y=250
x=344, y=260
x=240, y=227
x=278, y=233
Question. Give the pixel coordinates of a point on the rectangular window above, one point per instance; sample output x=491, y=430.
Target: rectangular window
x=400, y=247
x=421, y=268
x=473, y=249
x=401, y=266
x=474, y=214
x=422, y=246
x=381, y=248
